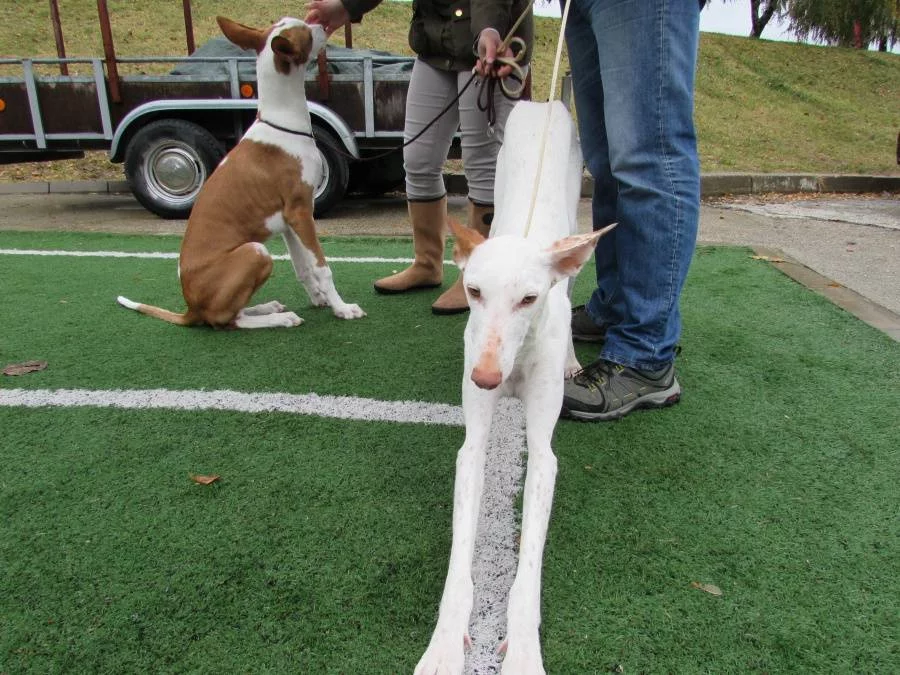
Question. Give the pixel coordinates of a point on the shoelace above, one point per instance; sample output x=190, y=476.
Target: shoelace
x=595, y=374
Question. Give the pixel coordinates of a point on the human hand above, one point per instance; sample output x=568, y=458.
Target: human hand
x=490, y=46
x=330, y=14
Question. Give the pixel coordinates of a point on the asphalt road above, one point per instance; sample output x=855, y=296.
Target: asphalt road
x=847, y=248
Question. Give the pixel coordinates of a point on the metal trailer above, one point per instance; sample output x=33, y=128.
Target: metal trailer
x=171, y=130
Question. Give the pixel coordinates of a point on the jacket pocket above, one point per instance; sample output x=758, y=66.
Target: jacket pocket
x=460, y=37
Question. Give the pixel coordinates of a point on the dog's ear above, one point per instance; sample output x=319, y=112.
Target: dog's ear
x=293, y=44
x=241, y=35
x=466, y=241
x=567, y=256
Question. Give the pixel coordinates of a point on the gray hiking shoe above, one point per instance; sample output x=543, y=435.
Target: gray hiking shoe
x=583, y=327
x=603, y=391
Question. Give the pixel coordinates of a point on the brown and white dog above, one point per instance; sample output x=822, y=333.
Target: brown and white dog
x=262, y=187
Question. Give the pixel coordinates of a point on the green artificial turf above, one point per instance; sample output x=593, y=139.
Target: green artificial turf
x=399, y=351
x=320, y=550
x=324, y=546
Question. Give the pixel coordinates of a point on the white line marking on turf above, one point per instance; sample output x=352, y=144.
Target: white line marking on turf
x=168, y=255
x=340, y=407
x=494, y=562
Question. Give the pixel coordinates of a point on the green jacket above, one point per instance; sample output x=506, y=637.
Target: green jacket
x=443, y=32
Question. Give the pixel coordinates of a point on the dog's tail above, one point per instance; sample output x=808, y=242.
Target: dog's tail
x=158, y=312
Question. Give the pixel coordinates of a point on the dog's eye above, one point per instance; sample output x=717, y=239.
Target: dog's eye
x=474, y=292
x=529, y=299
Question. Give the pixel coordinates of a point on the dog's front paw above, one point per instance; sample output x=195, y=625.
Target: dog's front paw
x=446, y=655
x=272, y=307
x=346, y=311
x=287, y=319
x=523, y=657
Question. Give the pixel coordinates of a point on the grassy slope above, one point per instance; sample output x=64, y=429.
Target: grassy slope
x=761, y=105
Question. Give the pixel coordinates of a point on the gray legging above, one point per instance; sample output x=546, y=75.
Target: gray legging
x=430, y=91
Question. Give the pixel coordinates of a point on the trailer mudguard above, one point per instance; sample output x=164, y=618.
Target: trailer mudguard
x=156, y=109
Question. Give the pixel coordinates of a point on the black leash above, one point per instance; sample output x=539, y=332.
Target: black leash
x=412, y=140
x=485, y=98
x=489, y=107
x=484, y=101
x=285, y=129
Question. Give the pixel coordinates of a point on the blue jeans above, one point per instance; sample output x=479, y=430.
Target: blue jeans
x=633, y=64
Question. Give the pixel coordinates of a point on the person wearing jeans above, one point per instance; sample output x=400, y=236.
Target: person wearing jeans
x=633, y=65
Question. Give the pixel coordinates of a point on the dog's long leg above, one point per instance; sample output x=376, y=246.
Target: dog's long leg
x=309, y=265
x=572, y=364
x=446, y=651
x=542, y=398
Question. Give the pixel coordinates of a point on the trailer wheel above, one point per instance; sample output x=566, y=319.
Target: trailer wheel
x=166, y=164
x=335, y=173
x=377, y=176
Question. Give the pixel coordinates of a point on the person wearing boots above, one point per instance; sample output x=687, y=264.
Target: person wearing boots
x=445, y=36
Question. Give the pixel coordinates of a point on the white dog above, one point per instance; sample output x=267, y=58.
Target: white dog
x=517, y=342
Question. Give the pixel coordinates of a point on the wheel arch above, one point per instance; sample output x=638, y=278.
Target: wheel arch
x=194, y=109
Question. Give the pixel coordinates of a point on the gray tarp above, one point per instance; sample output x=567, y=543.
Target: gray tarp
x=222, y=47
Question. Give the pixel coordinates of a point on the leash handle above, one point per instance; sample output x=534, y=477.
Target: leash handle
x=509, y=36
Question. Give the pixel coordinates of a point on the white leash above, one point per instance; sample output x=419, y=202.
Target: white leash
x=553, y=80
x=559, y=44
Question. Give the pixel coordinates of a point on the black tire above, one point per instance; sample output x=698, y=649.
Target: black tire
x=335, y=173
x=166, y=164
x=377, y=176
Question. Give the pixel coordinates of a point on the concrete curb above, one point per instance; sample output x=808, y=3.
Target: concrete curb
x=66, y=187
x=720, y=184
x=849, y=300
x=711, y=185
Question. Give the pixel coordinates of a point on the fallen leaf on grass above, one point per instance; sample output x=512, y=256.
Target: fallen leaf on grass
x=24, y=367
x=767, y=258
x=707, y=588
x=204, y=480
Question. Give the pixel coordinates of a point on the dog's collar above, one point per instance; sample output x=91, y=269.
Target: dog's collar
x=285, y=129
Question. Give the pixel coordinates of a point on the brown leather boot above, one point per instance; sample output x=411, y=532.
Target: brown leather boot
x=453, y=301
x=429, y=226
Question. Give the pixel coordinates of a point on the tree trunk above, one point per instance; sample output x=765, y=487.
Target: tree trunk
x=759, y=20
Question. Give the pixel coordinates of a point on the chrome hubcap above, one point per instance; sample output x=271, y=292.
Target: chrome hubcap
x=326, y=176
x=174, y=172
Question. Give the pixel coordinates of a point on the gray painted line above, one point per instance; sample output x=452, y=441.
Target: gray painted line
x=496, y=542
